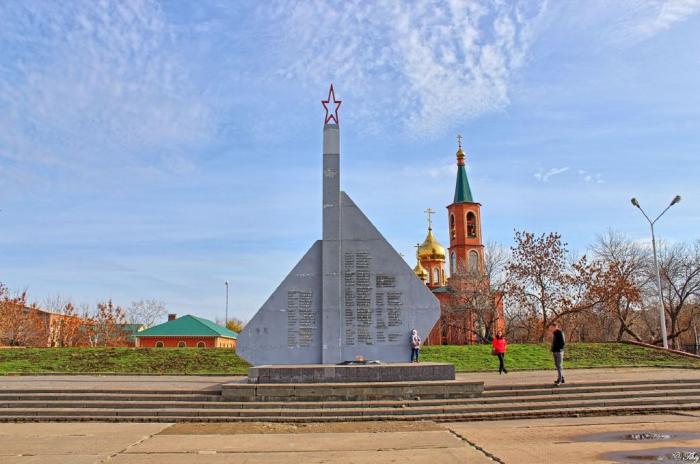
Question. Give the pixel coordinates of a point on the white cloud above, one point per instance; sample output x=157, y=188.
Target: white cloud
x=590, y=177
x=426, y=65
x=543, y=176
x=92, y=82
x=632, y=21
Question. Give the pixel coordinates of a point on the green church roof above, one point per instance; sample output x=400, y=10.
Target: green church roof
x=463, y=193
x=188, y=326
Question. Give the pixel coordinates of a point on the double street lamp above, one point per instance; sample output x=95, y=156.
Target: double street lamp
x=662, y=314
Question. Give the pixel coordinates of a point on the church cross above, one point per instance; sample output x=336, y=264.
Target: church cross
x=416, y=246
x=430, y=213
x=459, y=140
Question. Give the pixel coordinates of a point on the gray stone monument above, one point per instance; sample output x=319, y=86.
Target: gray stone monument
x=350, y=295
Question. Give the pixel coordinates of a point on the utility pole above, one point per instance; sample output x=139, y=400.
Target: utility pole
x=226, y=317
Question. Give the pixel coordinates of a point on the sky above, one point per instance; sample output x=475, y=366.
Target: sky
x=157, y=149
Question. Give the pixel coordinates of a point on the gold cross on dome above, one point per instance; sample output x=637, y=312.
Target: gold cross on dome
x=416, y=246
x=459, y=140
x=430, y=213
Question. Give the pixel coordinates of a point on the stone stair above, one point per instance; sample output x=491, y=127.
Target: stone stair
x=496, y=402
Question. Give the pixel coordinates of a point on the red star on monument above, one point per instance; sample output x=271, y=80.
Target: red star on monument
x=331, y=115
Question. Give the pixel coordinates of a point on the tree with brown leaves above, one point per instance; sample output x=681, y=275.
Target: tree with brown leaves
x=546, y=286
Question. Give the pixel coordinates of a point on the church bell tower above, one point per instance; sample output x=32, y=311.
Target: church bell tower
x=466, y=251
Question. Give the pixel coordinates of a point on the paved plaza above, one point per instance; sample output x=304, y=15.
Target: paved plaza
x=556, y=440
x=522, y=442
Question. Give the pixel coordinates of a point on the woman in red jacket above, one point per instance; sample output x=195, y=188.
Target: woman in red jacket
x=499, y=349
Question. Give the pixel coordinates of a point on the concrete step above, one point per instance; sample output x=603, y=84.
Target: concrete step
x=530, y=414
x=590, y=384
x=122, y=397
x=117, y=403
x=572, y=389
x=209, y=391
x=669, y=401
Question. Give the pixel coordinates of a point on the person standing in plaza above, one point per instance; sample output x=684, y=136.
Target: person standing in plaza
x=558, y=351
x=415, y=345
x=499, y=349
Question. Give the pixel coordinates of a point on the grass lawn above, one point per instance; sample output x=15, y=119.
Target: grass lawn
x=202, y=361
x=477, y=358
x=120, y=360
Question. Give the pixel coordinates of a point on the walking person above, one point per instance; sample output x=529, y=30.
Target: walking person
x=558, y=351
x=415, y=345
x=499, y=349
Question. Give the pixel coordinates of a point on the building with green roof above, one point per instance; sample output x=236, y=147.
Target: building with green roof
x=187, y=332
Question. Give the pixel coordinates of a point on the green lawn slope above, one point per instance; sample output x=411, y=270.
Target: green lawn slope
x=476, y=358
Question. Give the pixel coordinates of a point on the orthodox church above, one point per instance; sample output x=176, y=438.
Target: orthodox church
x=458, y=325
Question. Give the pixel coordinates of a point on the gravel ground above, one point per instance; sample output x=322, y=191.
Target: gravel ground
x=233, y=428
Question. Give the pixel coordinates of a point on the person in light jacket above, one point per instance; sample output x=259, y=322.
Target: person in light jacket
x=415, y=345
x=499, y=349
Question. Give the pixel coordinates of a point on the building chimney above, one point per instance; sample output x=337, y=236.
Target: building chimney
x=172, y=317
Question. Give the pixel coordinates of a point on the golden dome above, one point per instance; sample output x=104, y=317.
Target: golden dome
x=431, y=248
x=421, y=272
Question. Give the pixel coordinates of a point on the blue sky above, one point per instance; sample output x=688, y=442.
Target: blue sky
x=154, y=150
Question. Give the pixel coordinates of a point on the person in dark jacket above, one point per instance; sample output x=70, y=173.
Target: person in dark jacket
x=558, y=351
x=499, y=349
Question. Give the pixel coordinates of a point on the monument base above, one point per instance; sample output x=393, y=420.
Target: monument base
x=331, y=373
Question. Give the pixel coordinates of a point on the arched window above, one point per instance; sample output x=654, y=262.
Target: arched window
x=181, y=344
x=159, y=344
x=453, y=263
x=471, y=224
x=453, y=232
x=473, y=261
x=436, y=276
x=201, y=344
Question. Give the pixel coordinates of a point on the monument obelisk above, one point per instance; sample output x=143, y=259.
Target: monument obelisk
x=351, y=295
x=331, y=298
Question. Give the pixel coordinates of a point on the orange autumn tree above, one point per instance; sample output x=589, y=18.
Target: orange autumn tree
x=106, y=327
x=20, y=324
x=70, y=328
x=546, y=286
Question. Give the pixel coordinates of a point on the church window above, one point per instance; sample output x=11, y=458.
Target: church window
x=471, y=224
x=473, y=261
x=453, y=263
x=201, y=344
x=181, y=344
x=453, y=232
x=436, y=276
x=159, y=344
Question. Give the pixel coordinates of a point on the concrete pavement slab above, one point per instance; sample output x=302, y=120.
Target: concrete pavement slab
x=560, y=440
x=52, y=440
x=58, y=459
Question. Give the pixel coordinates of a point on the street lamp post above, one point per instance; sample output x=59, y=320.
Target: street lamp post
x=226, y=317
x=662, y=314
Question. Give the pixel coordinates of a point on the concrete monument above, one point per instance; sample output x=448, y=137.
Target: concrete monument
x=351, y=295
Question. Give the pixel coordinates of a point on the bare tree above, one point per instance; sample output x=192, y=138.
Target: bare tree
x=146, y=312
x=619, y=286
x=476, y=297
x=680, y=282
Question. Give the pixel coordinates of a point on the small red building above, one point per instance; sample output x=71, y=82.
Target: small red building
x=187, y=332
